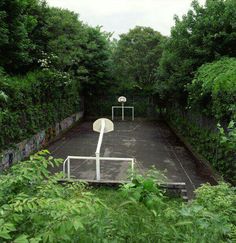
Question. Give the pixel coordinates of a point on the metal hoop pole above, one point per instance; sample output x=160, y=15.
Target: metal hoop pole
x=123, y=112
x=97, y=153
x=112, y=113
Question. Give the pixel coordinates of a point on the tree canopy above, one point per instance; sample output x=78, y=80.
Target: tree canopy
x=136, y=58
x=213, y=90
x=49, y=60
x=204, y=34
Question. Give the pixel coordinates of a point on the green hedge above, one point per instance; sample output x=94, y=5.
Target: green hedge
x=35, y=208
x=218, y=147
x=212, y=96
x=34, y=102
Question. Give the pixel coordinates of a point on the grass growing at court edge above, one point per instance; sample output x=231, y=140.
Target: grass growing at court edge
x=35, y=208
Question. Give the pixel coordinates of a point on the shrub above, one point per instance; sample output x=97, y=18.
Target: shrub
x=34, y=207
x=35, y=102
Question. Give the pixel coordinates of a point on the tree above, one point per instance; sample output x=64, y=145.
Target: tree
x=136, y=58
x=204, y=34
x=65, y=37
x=76, y=48
x=97, y=62
x=213, y=89
x=17, y=22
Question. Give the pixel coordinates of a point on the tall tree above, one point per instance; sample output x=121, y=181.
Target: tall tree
x=97, y=62
x=204, y=34
x=64, y=36
x=17, y=22
x=76, y=48
x=136, y=58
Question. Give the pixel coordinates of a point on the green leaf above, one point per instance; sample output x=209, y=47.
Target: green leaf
x=131, y=201
x=231, y=125
x=154, y=212
x=5, y=235
x=181, y=223
x=77, y=223
x=148, y=184
x=21, y=239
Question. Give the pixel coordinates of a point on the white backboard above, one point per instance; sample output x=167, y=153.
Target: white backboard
x=109, y=126
x=122, y=99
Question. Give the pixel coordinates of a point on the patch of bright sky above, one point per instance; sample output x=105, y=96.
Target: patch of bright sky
x=119, y=16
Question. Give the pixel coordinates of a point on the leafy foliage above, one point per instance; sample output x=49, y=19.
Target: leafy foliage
x=203, y=35
x=212, y=95
x=23, y=114
x=213, y=89
x=49, y=58
x=66, y=37
x=218, y=147
x=17, y=24
x=197, y=73
x=136, y=59
x=145, y=189
x=97, y=62
x=36, y=208
x=227, y=153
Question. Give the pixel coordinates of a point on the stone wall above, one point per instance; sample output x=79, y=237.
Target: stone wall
x=23, y=149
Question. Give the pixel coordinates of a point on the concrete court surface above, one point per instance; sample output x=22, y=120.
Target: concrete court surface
x=150, y=142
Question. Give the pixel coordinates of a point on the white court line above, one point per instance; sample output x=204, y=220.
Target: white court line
x=172, y=150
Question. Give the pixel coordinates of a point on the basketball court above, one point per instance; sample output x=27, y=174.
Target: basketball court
x=151, y=143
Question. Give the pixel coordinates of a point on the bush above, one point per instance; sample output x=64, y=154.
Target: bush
x=212, y=95
x=35, y=102
x=36, y=208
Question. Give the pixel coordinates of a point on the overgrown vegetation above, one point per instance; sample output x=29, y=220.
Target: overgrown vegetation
x=135, y=59
x=211, y=96
x=35, y=208
x=213, y=90
x=196, y=81
x=189, y=74
x=35, y=102
x=49, y=59
x=218, y=147
x=205, y=34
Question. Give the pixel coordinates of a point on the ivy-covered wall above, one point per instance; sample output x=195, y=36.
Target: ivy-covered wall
x=38, y=141
x=208, y=121
x=33, y=103
x=213, y=142
x=49, y=60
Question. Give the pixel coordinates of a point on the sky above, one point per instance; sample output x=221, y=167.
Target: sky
x=118, y=16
